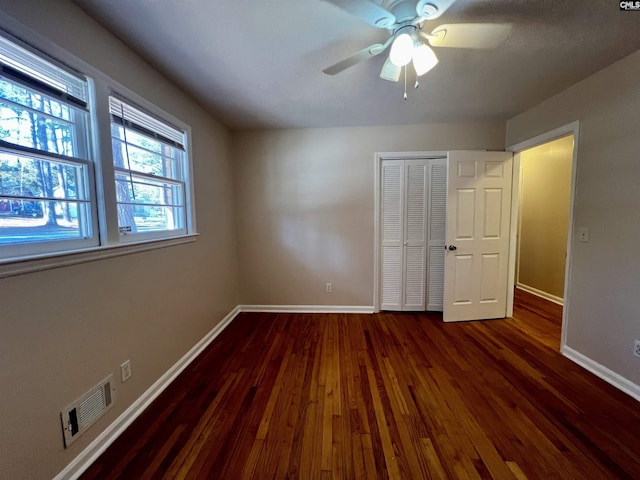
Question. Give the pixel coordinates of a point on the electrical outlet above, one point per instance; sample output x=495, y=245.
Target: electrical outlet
x=125, y=371
x=636, y=348
x=583, y=234
x=327, y=287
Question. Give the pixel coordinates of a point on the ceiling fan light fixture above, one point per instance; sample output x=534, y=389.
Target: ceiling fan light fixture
x=390, y=72
x=401, y=50
x=424, y=59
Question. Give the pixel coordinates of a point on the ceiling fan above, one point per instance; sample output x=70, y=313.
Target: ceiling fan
x=404, y=20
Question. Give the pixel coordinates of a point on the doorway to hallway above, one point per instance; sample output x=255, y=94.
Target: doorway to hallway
x=544, y=182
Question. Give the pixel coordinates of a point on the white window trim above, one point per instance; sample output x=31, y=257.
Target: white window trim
x=107, y=225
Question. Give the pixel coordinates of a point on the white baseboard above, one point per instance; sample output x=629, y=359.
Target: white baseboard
x=540, y=293
x=306, y=308
x=90, y=454
x=603, y=372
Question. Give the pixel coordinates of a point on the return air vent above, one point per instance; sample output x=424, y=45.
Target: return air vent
x=82, y=413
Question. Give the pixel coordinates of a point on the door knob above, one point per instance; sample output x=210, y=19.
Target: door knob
x=452, y=247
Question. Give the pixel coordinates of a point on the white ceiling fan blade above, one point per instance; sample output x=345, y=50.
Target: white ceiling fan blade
x=430, y=9
x=362, y=55
x=370, y=12
x=469, y=35
x=390, y=71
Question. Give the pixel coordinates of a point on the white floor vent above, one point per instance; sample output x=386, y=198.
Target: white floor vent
x=82, y=413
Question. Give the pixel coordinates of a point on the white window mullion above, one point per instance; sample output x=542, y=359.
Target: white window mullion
x=105, y=174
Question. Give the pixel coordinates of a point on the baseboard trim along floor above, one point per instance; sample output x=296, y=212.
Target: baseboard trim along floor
x=79, y=464
x=603, y=372
x=540, y=293
x=306, y=308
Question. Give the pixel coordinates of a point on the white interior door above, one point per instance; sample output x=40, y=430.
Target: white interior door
x=477, y=238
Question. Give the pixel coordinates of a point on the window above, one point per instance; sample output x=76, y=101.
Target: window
x=46, y=200
x=149, y=161
x=55, y=196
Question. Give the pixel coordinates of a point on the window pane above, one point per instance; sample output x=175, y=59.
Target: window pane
x=134, y=138
x=141, y=190
x=146, y=205
x=144, y=155
x=15, y=93
x=22, y=176
x=23, y=221
x=143, y=218
x=29, y=129
x=24, y=218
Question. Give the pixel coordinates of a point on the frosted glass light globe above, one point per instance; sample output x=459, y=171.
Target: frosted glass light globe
x=401, y=50
x=424, y=59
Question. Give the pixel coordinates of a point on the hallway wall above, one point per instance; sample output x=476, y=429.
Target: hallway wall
x=545, y=193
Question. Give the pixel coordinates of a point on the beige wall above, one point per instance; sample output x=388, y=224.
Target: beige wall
x=305, y=204
x=303, y=213
x=545, y=192
x=63, y=330
x=603, y=309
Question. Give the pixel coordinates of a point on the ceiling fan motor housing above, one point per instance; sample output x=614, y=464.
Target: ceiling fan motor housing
x=403, y=10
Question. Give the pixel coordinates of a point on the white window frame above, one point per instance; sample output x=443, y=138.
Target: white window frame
x=102, y=175
x=183, y=179
x=38, y=84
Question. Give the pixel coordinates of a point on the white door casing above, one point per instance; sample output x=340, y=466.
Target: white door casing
x=477, y=235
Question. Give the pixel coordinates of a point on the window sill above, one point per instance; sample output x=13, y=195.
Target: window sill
x=13, y=267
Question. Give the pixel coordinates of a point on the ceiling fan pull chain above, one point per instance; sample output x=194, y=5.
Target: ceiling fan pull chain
x=405, y=82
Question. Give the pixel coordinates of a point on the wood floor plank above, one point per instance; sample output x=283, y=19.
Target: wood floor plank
x=384, y=396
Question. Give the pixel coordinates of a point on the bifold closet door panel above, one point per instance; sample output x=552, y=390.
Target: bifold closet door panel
x=414, y=260
x=392, y=178
x=437, y=206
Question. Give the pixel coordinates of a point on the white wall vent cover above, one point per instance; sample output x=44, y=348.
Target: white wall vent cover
x=83, y=413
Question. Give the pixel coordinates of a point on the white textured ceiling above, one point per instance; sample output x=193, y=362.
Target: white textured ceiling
x=258, y=64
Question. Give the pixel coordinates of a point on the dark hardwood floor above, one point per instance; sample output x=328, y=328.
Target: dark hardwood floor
x=391, y=395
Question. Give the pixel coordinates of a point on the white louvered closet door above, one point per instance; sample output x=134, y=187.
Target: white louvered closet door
x=437, y=232
x=413, y=219
x=415, y=235
x=392, y=177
